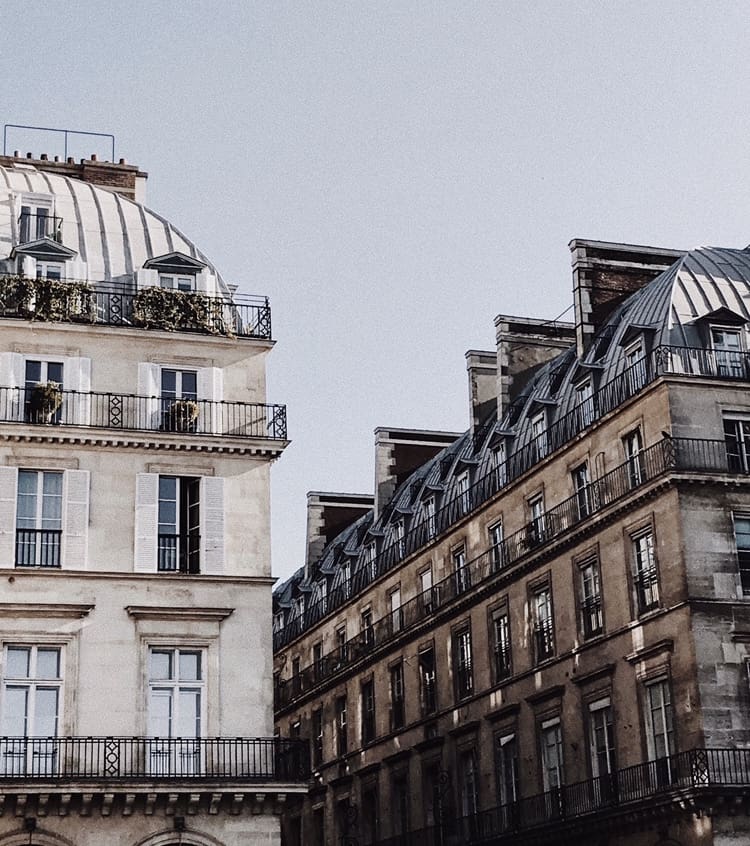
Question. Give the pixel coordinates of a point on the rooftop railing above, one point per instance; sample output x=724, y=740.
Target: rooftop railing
x=694, y=772
x=121, y=304
x=663, y=360
x=253, y=759
x=129, y=412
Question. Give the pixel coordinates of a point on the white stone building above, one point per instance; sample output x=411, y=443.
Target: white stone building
x=135, y=580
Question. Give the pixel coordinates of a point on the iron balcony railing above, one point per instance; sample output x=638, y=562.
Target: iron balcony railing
x=689, y=454
x=122, y=304
x=100, y=758
x=683, y=774
x=664, y=360
x=38, y=547
x=178, y=553
x=129, y=412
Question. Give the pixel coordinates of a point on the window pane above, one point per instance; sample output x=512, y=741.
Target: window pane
x=189, y=384
x=189, y=717
x=168, y=382
x=45, y=712
x=15, y=710
x=48, y=663
x=51, y=500
x=160, y=713
x=161, y=665
x=17, y=663
x=190, y=666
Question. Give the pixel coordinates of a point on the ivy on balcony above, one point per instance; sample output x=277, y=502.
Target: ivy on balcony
x=48, y=300
x=165, y=308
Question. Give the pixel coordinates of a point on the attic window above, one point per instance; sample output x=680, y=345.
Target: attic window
x=36, y=220
x=178, y=283
x=176, y=270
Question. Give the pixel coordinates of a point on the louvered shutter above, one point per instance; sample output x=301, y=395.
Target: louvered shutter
x=77, y=377
x=76, y=529
x=12, y=380
x=146, y=522
x=211, y=387
x=149, y=388
x=8, y=485
x=212, y=525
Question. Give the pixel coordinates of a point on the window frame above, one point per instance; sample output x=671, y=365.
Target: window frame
x=368, y=716
x=397, y=695
x=649, y=598
x=463, y=661
x=543, y=629
x=590, y=604
x=428, y=687
x=502, y=667
x=44, y=544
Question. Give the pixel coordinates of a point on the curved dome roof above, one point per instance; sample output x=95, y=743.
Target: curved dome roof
x=705, y=282
x=114, y=236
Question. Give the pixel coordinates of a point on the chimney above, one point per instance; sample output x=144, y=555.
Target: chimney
x=327, y=515
x=481, y=367
x=605, y=274
x=523, y=346
x=398, y=453
x=121, y=178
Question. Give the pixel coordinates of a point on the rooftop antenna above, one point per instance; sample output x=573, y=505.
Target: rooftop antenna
x=64, y=132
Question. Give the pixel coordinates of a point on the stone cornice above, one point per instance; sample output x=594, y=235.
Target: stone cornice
x=171, y=612
x=45, y=609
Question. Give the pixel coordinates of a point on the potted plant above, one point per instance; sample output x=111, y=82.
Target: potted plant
x=182, y=415
x=46, y=399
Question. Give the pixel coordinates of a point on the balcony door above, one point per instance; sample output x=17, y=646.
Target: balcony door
x=40, y=404
x=727, y=346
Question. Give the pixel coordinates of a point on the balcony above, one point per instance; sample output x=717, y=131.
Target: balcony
x=38, y=547
x=688, y=780
x=128, y=412
x=120, y=304
x=101, y=759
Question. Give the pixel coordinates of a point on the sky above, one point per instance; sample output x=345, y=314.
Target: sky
x=393, y=175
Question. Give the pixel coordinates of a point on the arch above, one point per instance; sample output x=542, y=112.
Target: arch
x=39, y=838
x=170, y=837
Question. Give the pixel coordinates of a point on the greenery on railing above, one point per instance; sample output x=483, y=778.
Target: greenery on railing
x=49, y=300
x=165, y=308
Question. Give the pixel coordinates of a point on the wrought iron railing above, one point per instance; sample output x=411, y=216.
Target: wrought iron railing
x=100, y=758
x=693, y=772
x=178, y=553
x=130, y=412
x=663, y=360
x=121, y=304
x=38, y=547
x=688, y=454
x=35, y=225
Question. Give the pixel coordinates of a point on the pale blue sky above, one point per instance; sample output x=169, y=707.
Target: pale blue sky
x=394, y=174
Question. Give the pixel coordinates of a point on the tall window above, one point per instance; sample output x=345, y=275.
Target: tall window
x=645, y=573
x=340, y=638
x=601, y=741
x=32, y=687
x=316, y=726
x=727, y=345
x=399, y=804
x=342, y=732
x=179, y=525
x=43, y=386
x=179, y=393
x=394, y=600
x=552, y=755
x=660, y=733
x=317, y=660
x=36, y=221
x=506, y=770
x=365, y=627
x=426, y=593
x=539, y=435
x=633, y=447
x=39, y=518
x=428, y=516
x=497, y=551
x=400, y=533
x=398, y=702
x=536, y=528
x=469, y=787
x=737, y=441
x=742, y=537
x=369, y=818
x=591, y=597
x=585, y=404
x=427, y=681
x=368, y=711
x=582, y=487
x=462, y=493
x=462, y=663
x=500, y=643
x=175, y=710
x=461, y=573
x=370, y=561
x=501, y=466
x=635, y=368
x=544, y=633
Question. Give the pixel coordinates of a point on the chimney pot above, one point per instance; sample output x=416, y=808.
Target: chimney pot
x=122, y=161
x=57, y=158
x=93, y=157
x=43, y=157
x=29, y=156
x=70, y=160
x=16, y=153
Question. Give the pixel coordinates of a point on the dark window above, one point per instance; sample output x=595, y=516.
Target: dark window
x=496, y=546
x=398, y=705
x=295, y=730
x=500, y=644
x=295, y=677
x=582, y=488
x=399, y=804
x=43, y=392
x=544, y=632
x=461, y=572
x=342, y=739
x=506, y=774
x=462, y=663
x=370, y=815
x=368, y=711
x=468, y=782
x=179, y=525
x=427, y=681
x=317, y=657
x=179, y=394
x=742, y=536
x=591, y=597
x=317, y=736
x=341, y=648
x=368, y=633
x=737, y=440
x=633, y=448
x=645, y=573
x=602, y=744
x=318, y=828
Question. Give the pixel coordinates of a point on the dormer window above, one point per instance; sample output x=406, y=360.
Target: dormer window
x=177, y=283
x=176, y=271
x=36, y=220
x=49, y=269
x=729, y=351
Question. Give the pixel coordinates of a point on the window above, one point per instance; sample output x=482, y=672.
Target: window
x=742, y=537
x=552, y=755
x=296, y=681
x=346, y=577
x=539, y=436
x=462, y=493
x=398, y=703
x=582, y=487
x=394, y=600
x=535, y=533
x=660, y=735
x=317, y=736
x=645, y=573
x=544, y=635
x=365, y=627
x=500, y=643
x=318, y=826
x=427, y=681
x=399, y=804
x=497, y=550
x=177, y=283
x=43, y=391
x=591, y=597
x=501, y=466
x=175, y=710
x=633, y=448
x=461, y=572
x=340, y=637
x=368, y=711
x=39, y=518
x=737, y=441
x=179, y=525
x=32, y=688
x=46, y=269
x=602, y=743
x=426, y=592
x=342, y=739
x=36, y=221
x=468, y=786
x=370, y=562
x=462, y=663
x=635, y=368
x=727, y=346
x=585, y=404
x=506, y=771
x=369, y=816
x=179, y=394
x=400, y=533
x=428, y=516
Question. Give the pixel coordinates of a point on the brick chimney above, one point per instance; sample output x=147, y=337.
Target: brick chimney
x=327, y=515
x=481, y=368
x=121, y=178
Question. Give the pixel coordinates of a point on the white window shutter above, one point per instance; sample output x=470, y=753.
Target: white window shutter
x=211, y=387
x=77, y=377
x=76, y=531
x=12, y=377
x=145, y=278
x=149, y=385
x=146, y=522
x=212, y=525
x=8, y=484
